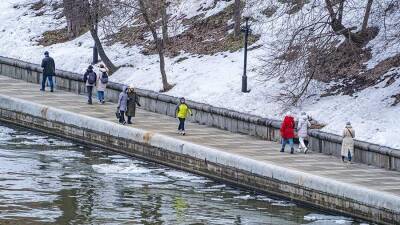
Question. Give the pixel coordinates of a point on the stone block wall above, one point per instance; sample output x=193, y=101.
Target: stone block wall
x=205, y=114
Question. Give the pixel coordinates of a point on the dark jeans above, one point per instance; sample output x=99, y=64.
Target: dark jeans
x=122, y=116
x=287, y=141
x=90, y=93
x=181, y=124
x=45, y=77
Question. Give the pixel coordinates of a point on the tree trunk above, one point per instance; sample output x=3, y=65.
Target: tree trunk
x=237, y=17
x=340, y=11
x=159, y=45
x=366, y=15
x=112, y=68
x=164, y=22
x=76, y=15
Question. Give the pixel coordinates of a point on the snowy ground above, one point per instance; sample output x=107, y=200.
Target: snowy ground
x=211, y=79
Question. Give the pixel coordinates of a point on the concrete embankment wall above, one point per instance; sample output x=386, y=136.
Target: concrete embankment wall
x=318, y=191
x=267, y=129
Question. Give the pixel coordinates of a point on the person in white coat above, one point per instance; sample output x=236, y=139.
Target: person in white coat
x=102, y=80
x=348, y=142
x=302, y=131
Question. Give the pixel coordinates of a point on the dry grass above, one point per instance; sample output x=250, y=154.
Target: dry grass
x=204, y=36
x=54, y=37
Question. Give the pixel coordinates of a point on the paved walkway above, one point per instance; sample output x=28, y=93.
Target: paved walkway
x=251, y=147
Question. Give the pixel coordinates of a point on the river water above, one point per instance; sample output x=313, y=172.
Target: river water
x=48, y=180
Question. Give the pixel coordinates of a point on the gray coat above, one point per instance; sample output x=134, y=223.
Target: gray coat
x=123, y=100
x=133, y=100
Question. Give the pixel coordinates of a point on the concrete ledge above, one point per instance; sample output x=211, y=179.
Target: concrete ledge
x=205, y=114
x=342, y=197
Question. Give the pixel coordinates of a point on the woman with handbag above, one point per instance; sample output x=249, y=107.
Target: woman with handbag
x=122, y=105
x=348, y=142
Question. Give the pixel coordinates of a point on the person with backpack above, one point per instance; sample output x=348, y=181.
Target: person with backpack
x=90, y=79
x=302, y=131
x=123, y=105
x=133, y=100
x=348, y=142
x=49, y=69
x=102, y=81
x=182, y=111
x=287, y=132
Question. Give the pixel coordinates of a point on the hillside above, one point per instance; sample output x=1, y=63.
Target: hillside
x=209, y=69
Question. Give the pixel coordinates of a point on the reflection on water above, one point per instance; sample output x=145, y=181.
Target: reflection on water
x=46, y=180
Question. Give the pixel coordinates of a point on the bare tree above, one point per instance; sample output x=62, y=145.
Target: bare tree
x=83, y=15
x=75, y=13
x=95, y=11
x=148, y=9
x=237, y=17
x=366, y=15
x=164, y=21
x=348, y=32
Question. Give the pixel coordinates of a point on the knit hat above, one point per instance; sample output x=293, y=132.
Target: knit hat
x=46, y=53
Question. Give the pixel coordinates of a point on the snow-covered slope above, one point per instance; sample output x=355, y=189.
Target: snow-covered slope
x=211, y=79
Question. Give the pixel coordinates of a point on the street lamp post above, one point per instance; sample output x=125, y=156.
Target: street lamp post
x=246, y=31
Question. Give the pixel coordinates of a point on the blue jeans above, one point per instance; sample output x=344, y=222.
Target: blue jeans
x=100, y=95
x=287, y=141
x=45, y=77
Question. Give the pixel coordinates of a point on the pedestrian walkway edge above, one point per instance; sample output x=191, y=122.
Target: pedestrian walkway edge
x=358, y=201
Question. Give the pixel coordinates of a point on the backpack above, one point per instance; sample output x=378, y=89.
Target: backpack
x=92, y=78
x=104, y=78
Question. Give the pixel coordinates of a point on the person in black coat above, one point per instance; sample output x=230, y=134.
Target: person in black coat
x=49, y=69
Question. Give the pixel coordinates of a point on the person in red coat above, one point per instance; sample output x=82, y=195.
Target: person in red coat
x=287, y=132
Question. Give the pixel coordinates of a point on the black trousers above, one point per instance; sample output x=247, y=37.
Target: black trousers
x=122, y=116
x=90, y=93
x=181, y=124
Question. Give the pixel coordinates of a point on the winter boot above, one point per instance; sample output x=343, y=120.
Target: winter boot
x=282, y=150
x=305, y=151
x=291, y=150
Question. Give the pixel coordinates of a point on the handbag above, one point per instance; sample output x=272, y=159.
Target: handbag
x=118, y=114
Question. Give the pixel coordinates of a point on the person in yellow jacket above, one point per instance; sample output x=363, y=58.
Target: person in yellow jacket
x=182, y=112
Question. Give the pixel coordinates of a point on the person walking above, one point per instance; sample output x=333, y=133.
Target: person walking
x=133, y=100
x=123, y=104
x=101, y=85
x=348, y=142
x=302, y=129
x=182, y=111
x=287, y=132
x=49, y=69
x=90, y=79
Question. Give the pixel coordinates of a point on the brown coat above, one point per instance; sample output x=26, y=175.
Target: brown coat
x=133, y=100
